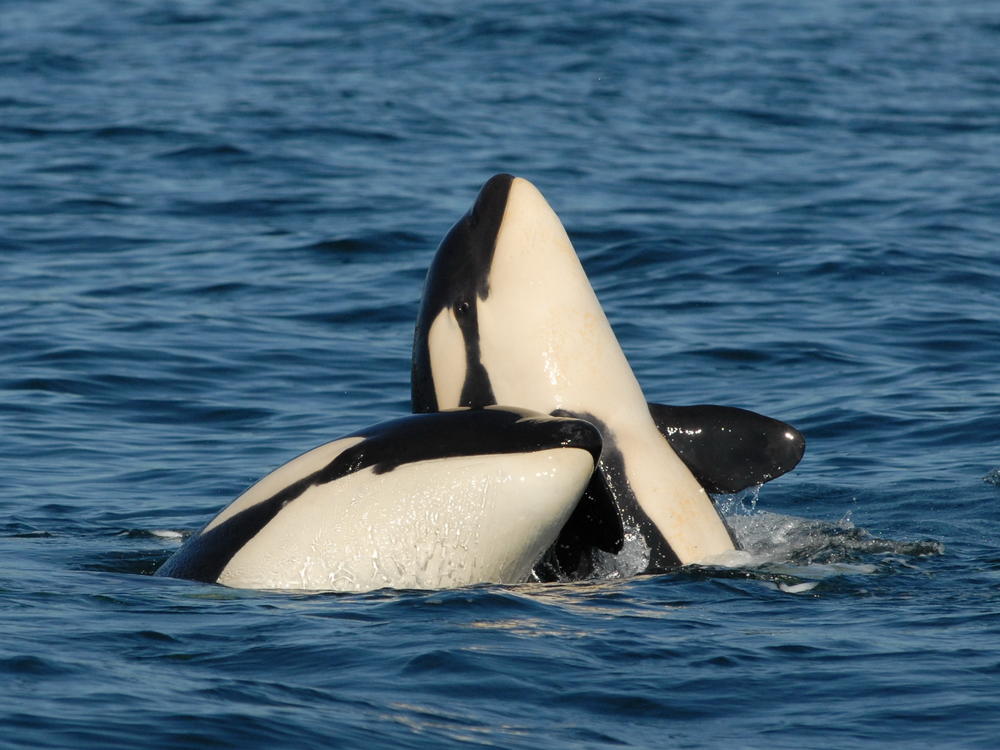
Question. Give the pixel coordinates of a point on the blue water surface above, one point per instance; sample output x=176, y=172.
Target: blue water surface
x=215, y=220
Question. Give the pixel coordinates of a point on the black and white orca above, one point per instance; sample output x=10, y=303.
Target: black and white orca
x=427, y=501
x=509, y=316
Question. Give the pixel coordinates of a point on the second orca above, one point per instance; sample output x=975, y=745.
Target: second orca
x=508, y=316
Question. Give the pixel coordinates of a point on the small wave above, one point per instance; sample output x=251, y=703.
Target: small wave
x=143, y=562
x=175, y=17
x=206, y=151
x=240, y=207
x=392, y=242
x=154, y=533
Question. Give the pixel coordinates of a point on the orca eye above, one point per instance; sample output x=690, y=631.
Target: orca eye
x=462, y=307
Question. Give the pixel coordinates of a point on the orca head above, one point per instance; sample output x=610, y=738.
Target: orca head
x=507, y=478
x=505, y=304
x=447, y=371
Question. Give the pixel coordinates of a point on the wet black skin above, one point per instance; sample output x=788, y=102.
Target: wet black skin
x=459, y=274
x=729, y=449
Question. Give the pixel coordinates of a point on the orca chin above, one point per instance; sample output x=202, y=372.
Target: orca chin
x=427, y=501
x=509, y=316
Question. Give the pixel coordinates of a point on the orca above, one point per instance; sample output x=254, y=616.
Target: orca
x=425, y=501
x=509, y=316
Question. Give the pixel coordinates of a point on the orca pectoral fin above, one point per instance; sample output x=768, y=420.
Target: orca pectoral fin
x=726, y=448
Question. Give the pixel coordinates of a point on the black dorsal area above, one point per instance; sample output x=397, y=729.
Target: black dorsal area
x=458, y=276
x=467, y=432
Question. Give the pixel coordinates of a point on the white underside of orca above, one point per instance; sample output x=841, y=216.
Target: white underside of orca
x=427, y=525
x=427, y=501
x=546, y=345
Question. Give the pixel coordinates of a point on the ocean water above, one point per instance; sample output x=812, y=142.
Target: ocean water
x=215, y=220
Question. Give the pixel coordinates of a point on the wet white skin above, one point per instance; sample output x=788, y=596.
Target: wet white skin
x=430, y=524
x=547, y=345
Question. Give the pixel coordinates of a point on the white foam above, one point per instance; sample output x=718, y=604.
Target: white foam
x=798, y=588
x=167, y=533
x=631, y=560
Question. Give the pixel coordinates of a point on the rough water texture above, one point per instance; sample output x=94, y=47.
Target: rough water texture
x=215, y=219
